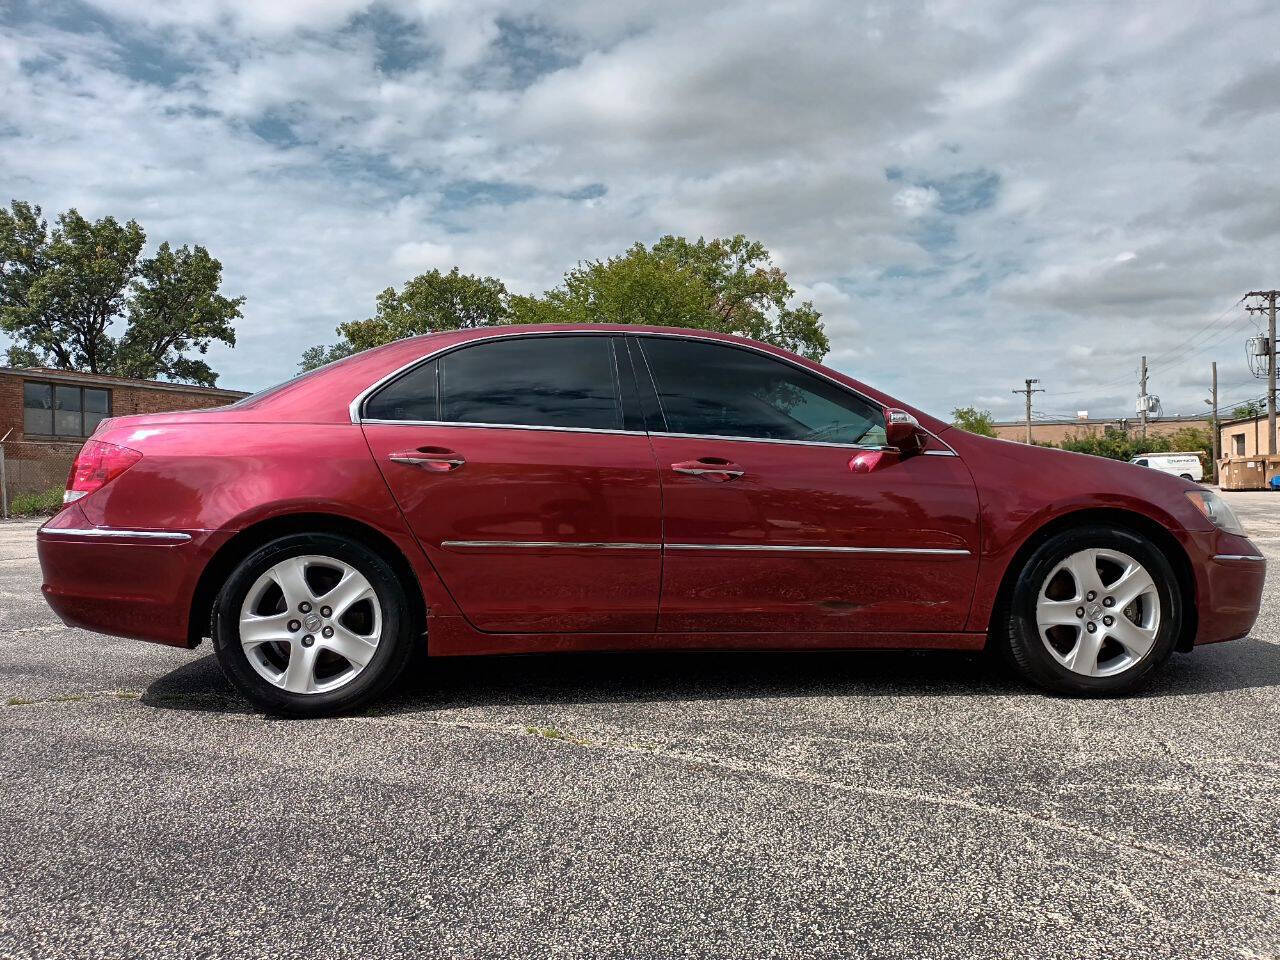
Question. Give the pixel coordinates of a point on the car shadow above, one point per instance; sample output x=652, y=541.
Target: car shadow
x=583, y=678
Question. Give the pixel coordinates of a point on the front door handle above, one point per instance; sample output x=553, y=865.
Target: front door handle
x=715, y=469
x=434, y=459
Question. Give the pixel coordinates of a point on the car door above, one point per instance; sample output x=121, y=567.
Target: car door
x=528, y=482
x=766, y=525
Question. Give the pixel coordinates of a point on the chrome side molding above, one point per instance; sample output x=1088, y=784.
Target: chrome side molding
x=785, y=548
x=545, y=544
x=164, y=536
x=731, y=547
x=1240, y=556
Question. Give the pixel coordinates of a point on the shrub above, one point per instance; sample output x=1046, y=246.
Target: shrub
x=1121, y=445
x=36, y=504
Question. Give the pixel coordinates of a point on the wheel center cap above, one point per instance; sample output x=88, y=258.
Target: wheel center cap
x=312, y=622
x=1094, y=611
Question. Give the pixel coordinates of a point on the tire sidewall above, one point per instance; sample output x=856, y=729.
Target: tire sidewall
x=388, y=661
x=1027, y=647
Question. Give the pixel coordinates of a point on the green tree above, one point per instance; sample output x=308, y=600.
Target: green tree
x=974, y=420
x=728, y=285
x=1117, y=444
x=1253, y=408
x=61, y=291
x=429, y=303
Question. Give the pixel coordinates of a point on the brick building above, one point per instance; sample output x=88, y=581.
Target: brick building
x=46, y=414
x=1055, y=431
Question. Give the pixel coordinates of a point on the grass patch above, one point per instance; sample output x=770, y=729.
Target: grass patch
x=36, y=504
x=551, y=733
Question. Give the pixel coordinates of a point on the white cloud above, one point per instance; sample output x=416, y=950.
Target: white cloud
x=971, y=193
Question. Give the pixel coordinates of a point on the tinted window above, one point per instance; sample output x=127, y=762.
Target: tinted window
x=37, y=408
x=97, y=407
x=708, y=388
x=532, y=381
x=410, y=397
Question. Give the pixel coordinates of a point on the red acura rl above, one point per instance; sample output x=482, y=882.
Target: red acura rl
x=534, y=489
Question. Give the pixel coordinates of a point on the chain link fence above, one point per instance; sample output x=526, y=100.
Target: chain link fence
x=31, y=468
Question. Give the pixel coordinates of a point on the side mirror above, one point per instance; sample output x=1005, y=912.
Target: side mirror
x=903, y=431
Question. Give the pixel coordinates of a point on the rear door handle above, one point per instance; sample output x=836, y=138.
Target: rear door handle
x=715, y=469
x=434, y=459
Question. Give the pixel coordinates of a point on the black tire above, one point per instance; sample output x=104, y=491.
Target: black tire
x=393, y=652
x=1187, y=476
x=1023, y=644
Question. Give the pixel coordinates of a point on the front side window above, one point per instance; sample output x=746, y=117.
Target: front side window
x=58, y=410
x=716, y=390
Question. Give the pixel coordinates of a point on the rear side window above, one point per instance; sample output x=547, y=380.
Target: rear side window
x=532, y=381
x=410, y=397
x=716, y=390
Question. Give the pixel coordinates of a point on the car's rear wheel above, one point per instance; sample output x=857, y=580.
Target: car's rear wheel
x=312, y=624
x=1094, y=611
x=1187, y=476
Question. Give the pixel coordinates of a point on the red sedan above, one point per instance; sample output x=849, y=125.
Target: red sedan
x=533, y=489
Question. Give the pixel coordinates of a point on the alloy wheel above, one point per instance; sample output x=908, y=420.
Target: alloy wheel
x=1098, y=612
x=310, y=624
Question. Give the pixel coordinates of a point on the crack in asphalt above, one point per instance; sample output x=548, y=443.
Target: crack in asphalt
x=1258, y=883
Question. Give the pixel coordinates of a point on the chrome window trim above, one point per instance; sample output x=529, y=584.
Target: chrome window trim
x=754, y=547
x=637, y=433
x=161, y=535
x=355, y=406
x=544, y=544
x=500, y=426
x=1240, y=556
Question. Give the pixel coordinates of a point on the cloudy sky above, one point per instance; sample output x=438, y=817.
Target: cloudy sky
x=972, y=193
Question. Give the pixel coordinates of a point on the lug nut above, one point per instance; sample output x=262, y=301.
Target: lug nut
x=1108, y=621
x=1108, y=601
x=326, y=612
x=306, y=607
x=1090, y=626
x=1080, y=612
x=328, y=632
x=1091, y=595
x=294, y=626
x=308, y=640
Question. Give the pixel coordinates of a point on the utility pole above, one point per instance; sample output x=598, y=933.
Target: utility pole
x=1142, y=397
x=1213, y=421
x=1268, y=306
x=1029, y=391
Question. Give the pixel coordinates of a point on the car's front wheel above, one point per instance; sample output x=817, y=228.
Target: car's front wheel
x=312, y=624
x=1094, y=611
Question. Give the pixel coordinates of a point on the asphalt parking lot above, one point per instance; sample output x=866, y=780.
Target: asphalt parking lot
x=864, y=804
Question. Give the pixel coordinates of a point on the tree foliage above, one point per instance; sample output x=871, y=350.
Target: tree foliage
x=728, y=285
x=62, y=290
x=1254, y=408
x=974, y=420
x=1117, y=444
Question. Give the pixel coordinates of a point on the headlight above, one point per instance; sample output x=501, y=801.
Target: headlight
x=1216, y=509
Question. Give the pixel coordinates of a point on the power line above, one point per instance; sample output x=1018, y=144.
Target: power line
x=1187, y=340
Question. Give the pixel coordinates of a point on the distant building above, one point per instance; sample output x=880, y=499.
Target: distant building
x=46, y=414
x=1245, y=437
x=1055, y=431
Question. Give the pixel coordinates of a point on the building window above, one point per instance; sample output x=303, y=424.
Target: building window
x=59, y=410
x=1238, y=440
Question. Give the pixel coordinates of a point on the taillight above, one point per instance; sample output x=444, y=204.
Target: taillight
x=96, y=465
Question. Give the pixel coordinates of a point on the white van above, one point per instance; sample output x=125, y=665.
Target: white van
x=1185, y=465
